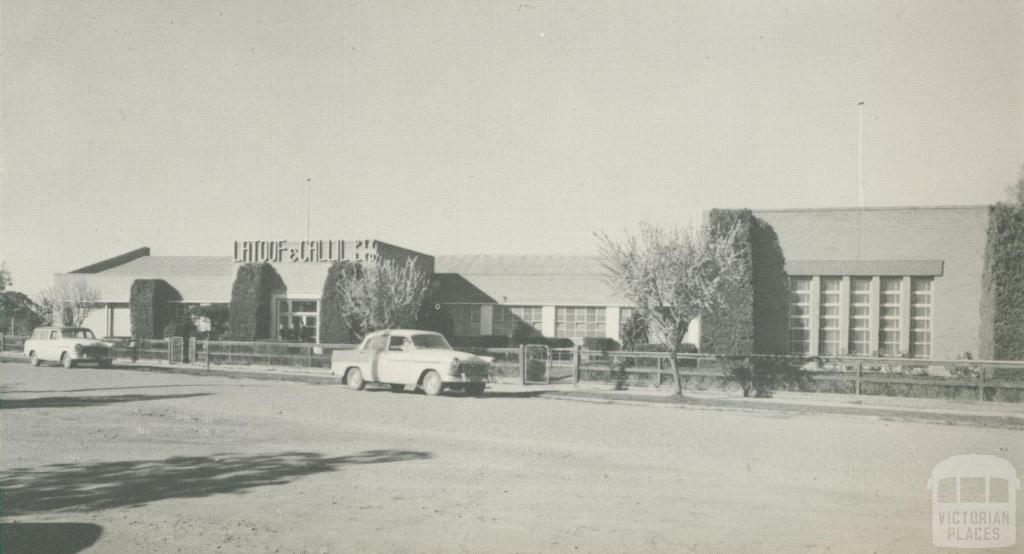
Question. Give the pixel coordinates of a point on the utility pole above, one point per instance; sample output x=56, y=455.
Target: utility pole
x=860, y=153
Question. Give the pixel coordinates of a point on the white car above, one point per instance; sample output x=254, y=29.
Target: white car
x=404, y=358
x=67, y=346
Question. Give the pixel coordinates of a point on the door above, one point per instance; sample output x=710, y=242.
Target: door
x=375, y=349
x=50, y=348
x=397, y=363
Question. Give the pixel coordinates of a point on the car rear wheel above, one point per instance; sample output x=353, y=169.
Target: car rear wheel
x=354, y=379
x=33, y=359
x=66, y=361
x=432, y=384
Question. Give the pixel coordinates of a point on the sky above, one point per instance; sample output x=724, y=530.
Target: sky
x=483, y=127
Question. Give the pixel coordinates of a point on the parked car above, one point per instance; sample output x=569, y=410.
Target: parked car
x=68, y=346
x=403, y=358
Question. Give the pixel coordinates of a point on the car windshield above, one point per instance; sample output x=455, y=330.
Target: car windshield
x=431, y=341
x=77, y=334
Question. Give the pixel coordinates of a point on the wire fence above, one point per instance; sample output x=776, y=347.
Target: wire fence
x=984, y=380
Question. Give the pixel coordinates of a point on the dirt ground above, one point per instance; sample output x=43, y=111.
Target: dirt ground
x=126, y=461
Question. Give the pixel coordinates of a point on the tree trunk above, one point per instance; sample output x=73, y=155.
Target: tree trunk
x=675, y=370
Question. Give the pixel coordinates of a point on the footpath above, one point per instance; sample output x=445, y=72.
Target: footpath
x=926, y=410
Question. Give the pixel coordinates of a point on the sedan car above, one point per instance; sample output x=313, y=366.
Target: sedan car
x=67, y=346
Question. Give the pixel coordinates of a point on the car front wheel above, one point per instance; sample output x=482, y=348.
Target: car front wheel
x=432, y=383
x=66, y=361
x=33, y=359
x=354, y=379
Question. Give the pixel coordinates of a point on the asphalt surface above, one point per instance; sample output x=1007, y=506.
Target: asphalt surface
x=127, y=461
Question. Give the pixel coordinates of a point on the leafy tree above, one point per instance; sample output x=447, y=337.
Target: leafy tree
x=673, y=276
x=5, y=277
x=20, y=314
x=67, y=303
x=382, y=295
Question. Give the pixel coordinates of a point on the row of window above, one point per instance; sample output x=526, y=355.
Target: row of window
x=570, y=321
x=829, y=307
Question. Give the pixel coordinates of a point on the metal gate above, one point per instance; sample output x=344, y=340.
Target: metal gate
x=535, y=363
x=176, y=350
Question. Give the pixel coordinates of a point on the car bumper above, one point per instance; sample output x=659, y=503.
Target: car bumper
x=92, y=356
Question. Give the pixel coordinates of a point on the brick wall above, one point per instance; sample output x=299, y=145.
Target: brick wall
x=955, y=235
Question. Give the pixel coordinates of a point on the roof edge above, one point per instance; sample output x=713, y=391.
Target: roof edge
x=114, y=262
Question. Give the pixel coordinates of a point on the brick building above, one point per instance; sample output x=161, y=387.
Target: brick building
x=888, y=281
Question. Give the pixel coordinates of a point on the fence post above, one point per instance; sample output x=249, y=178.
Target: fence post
x=576, y=365
x=860, y=374
x=207, y=350
x=170, y=350
x=981, y=384
x=3, y=346
x=310, y=364
x=522, y=362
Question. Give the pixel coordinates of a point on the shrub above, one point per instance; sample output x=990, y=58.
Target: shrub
x=250, y=301
x=763, y=375
x=685, y=348
x=1001, y=335
x=333, y=326
x=523, y=333
x=150, y=307
x=602, y=344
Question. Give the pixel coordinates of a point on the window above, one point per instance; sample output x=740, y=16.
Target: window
x=921, y=317
x=800, y=315
x=436, y=342
x=298, y=320
x=889, y=317
x=467, y=319
x=579, y=322
x=397, y=344
x=860, y=316
x=507, y=318
x=828, y=311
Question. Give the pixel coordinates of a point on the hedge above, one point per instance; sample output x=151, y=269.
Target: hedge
x=1001, y=335
x=754, y=316
x=150, y=307
x=250, y=301
x=333, y=327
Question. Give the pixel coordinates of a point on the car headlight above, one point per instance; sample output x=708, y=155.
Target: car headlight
x=78, y=349
x=453, y=367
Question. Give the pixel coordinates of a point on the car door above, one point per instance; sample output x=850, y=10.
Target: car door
x=51, y=347
x=395, y=363
x=375, y=349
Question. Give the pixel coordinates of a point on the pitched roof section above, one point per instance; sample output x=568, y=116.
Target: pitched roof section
x=163, y=266
x=113, y=262
x=524, y=280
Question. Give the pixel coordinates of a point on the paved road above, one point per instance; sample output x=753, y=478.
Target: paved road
x=131, y=461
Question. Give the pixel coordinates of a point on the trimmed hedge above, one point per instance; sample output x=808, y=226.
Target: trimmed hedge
x=250, y=301
x=150, y=307
x=333, y=327
x=1001, y=335
x=754, y=316
x=730, y=329
x=602, y=344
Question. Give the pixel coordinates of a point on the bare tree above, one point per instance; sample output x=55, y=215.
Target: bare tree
x=673, y=276
x=1016, y=190
x=383, y=295
x=67, y=303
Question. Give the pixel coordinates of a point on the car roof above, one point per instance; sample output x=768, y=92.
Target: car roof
x=402, y=332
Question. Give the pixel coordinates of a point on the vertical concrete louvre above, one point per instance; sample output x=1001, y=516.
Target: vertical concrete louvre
x=876, y=286
x=815, y=315
x=905, y=316
x=844, y=316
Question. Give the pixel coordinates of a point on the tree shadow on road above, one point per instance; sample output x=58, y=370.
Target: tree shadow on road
x=102, y=486
x=85, y=401
x=52, y=538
